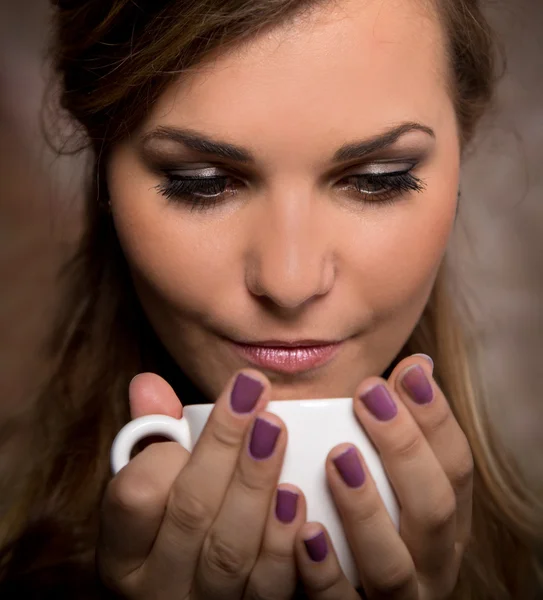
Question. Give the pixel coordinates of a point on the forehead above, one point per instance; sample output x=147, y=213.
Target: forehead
x=357, y=65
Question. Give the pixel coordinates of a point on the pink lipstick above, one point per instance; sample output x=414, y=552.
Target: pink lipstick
x=291, y=357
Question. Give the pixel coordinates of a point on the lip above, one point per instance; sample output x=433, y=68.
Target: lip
x=288, y=357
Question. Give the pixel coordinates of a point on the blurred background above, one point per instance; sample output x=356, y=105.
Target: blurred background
x=497, y=249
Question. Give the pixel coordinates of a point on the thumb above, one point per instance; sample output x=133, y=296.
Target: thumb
x=150, y=394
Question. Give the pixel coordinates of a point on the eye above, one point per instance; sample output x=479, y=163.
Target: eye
x=382, y=187
x=205, y=188
x=201, y=189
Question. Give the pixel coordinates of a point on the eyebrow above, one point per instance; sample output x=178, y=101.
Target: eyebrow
x=204, y=144
x=361, y=149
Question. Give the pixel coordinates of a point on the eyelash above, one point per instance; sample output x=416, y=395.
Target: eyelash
x=205, y=192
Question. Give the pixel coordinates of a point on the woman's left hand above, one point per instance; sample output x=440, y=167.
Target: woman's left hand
x=429, y=462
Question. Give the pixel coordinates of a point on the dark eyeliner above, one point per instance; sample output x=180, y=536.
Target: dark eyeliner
x=199, y=192
x=384, y=188
x=375, y=188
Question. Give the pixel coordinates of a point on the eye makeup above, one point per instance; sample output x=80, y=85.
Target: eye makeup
x=384, y=176
x=205, y=188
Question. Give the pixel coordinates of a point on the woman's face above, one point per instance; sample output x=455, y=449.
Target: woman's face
x=299, y=189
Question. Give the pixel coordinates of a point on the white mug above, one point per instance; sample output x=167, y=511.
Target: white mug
x=314, y=428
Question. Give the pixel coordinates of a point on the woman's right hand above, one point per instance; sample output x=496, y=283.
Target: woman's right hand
x=203, y=525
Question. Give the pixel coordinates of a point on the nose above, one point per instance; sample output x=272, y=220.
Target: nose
x=291, y=260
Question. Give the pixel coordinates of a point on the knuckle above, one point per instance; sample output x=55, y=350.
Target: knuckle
x=329, y=585
x=187, y=512
x=115, y=579
x=462, y=474
x=393, y=578
x=407, y=446
x=223, y=558
x=132, y=496
x=442, y=516
x=367, y=510
x=254, y=482
x=278, y=555
x=439, y=418
x=227, y=436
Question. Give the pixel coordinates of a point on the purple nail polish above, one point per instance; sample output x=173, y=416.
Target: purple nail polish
x=285, y=505
x=263, y=439
x=349, y=468
x=316, y=547
x=380, y=403
x=245, y=394
x=416, y=384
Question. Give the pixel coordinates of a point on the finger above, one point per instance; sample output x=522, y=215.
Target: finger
x=150, y=394
x=319, y=568
x=233, y=541
x=426, y=497
x=415, y=385
x=198, y=492
x=274, y=574
x=132, y=511
x=384, y=563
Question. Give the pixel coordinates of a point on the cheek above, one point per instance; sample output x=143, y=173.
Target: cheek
x=174, y=259
x=171, y=261
x=169, y=264
x=189, y=262
x=404, y=250
x=400, y=253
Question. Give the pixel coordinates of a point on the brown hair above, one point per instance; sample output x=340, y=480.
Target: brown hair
x=114, y=58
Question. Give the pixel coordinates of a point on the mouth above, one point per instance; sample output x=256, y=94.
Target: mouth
x=288, y=356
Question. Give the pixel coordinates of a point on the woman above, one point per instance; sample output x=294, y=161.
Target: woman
x=273, y=188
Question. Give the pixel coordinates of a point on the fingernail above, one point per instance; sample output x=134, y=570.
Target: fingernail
x=349, y=468
x=263, y=439
x=416, y=384
x=285, y=505
x=316, y=547
x=245, y=394
x=427, y=358
x=380, y=403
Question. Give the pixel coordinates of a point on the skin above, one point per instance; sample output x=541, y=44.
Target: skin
x=292, y=255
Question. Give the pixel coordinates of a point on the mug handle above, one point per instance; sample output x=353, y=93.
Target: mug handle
x=138, y=429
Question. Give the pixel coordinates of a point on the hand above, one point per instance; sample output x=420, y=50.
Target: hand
x=429, y=462
x=202, y=525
